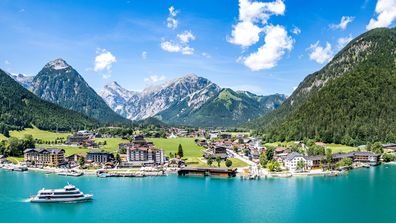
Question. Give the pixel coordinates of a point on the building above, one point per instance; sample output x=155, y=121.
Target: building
x=45, y=157
x=145, y=156
x=216, y=151
x=314, y=161
x=366, y=157
x=339, y=156
x=99, y=157
x=391, y=146
x=81, y=138
x=137, y=142
x=291, y=160
x=73, y=159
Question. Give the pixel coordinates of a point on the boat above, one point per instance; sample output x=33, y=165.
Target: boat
x=68, y=194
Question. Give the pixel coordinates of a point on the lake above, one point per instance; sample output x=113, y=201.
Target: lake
x=364, y=195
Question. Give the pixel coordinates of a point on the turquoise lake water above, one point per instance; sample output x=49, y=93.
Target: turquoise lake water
x=364, y=195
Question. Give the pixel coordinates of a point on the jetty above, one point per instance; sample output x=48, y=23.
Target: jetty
x=207, y=171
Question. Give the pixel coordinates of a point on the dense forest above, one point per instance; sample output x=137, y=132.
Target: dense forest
x=19, y=108
x=352, y=100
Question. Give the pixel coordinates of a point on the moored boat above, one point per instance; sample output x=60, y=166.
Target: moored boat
x=68, y=194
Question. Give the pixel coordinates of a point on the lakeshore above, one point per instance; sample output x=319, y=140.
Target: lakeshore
x=192, y=199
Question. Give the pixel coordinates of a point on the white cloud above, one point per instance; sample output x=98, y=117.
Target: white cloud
x=144, y=55
x=106, y=76
x=296, y=30
x=276, y=43
x=172, y=23
x=104, y=60
x=154, y=78
x=343, y=41
x=345, y=20
x=246, y=32
x=386, y=10
x=173, y=47
x=186, y=36
x=320, y=54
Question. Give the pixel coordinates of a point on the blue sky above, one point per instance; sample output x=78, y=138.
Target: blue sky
x=250, y=46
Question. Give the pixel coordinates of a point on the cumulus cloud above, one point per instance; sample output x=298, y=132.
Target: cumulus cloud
x=207, y=55
x=104, y=60
x=252, y=24
x=386, y=10
x=345, y=20
x=154, y=78
x=186, y=36
x=144, y=55
x=251, y=15
x=174, y=47
x=245, y=34
x=172, y=23
x=296, y=30
x=343, y=41
x=320, y=54
x=276, y=43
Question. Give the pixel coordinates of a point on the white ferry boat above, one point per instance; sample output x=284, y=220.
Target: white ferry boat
x=68, y=194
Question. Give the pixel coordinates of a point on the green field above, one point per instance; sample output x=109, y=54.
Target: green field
x=39, y=134
x=190, y=148
x=111, y=143
x=15, y=159
x=337, y=148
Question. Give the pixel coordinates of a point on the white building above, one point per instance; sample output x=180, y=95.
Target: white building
x=145, y=156
x=291, y=160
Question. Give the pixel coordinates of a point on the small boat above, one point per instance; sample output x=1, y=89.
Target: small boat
x=68, y=194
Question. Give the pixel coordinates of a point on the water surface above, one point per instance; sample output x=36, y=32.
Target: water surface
x=365, y=195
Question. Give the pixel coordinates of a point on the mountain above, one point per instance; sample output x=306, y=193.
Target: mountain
x=116, y=97
x=189, y=100
x=227, y=109
x=191, y=90
x=19, y=108
x=24, y=80
x=351, y=100
x=59, y=83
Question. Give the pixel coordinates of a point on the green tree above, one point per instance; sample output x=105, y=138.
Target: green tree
x=81, y=161
x=263, y=159
x=377, y=148
x=228, y=163
x=273, y=166
x=269, y=152
x=300, y=165
x=218, y=160
x=118, y=158
x=180, y=151
x=387, y=157
x=209, y=161
x=345, y=162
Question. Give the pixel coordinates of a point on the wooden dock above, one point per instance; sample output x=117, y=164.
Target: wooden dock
x=207, y=171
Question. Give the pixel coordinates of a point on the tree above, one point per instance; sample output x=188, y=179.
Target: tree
x=228, y=163
x=273, y=166
x=387, y=157
x=180, y=151
x=300, y=165
x=218, y=160
x=118, y=158
x=345, y=162
x=377, y=148
x=263, y=159
x=210, y=161
x=269, y=152
x=81, y=161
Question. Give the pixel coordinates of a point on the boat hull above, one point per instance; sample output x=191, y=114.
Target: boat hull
x=85, y=198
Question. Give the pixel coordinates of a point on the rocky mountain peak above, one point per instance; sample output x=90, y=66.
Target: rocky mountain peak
x=57, y=64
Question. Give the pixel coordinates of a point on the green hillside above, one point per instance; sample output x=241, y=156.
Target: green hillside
x=350, y=101
x=19, y=108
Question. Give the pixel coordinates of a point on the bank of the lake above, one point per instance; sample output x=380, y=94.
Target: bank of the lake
x=364, y=195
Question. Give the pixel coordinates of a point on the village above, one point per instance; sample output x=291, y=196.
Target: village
x=216, y=153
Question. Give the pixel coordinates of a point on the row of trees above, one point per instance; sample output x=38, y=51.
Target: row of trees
x=15, y=147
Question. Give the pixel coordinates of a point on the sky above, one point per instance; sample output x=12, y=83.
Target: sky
x=265, y=47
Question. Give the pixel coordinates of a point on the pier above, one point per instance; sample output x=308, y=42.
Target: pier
x=207, y=171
